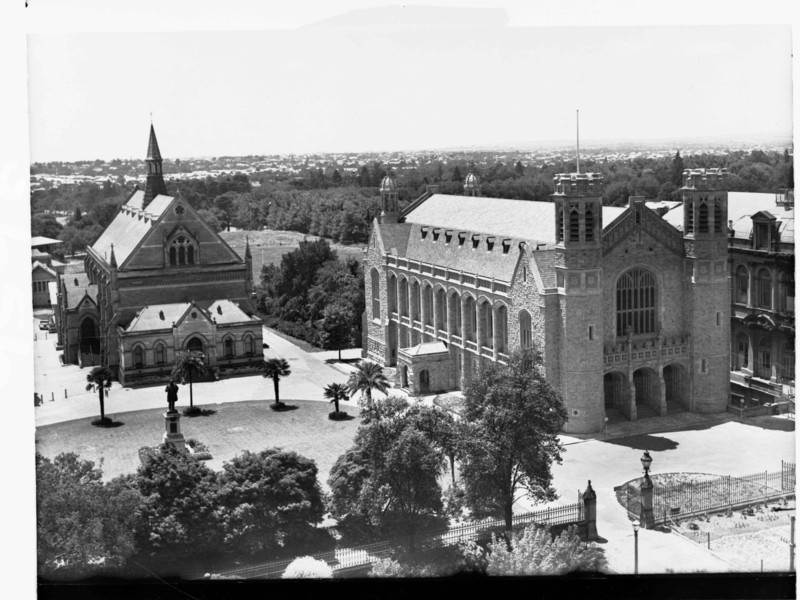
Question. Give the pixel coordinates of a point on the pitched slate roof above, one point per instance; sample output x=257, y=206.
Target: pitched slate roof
x=37, y=265
x=76, y=285
x=129, y=226
x=395, y=237
x=225, y=311
x=158, y=316
x=545, y=261
x=40, y=240
x=521, y=219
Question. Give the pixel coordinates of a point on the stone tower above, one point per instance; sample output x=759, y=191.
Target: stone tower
x=389, y=210
x=705, y=232
x=579, y=271
x=155, y=173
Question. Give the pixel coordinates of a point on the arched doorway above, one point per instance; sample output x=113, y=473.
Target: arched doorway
x=404, y=376
x=195, y=345
x=616, y=391
x=676, y=387
x=424, y=382
x=89, y=341
x=647, y=386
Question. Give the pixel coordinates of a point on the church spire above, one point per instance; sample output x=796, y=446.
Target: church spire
x=155, y=174
x=113, y=259
x=247, y=253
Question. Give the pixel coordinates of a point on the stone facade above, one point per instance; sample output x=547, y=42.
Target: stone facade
x=631, y=314
x=160, y=281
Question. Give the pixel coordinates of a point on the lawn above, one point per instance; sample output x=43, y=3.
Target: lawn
x=268, y=246
x=234, y=427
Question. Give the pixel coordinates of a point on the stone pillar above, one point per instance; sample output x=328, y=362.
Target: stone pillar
x=632, y=411
x=646, y=517
x=590, y=506
x=478, y=327
x=750, y=287
x=448, y=307
x=173, y=436
x=463, y=332
x=423, y=309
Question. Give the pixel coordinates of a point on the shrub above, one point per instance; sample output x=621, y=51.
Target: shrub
x=307, y=567
x=340, y=416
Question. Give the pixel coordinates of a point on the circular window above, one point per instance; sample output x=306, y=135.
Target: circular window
x=179, y=210
x=575, y=413
x=194, y=314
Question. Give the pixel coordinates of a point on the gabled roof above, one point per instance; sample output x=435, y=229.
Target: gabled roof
x=130, y=226
x=37, y=265
x=521, y=219
x=158, y=316
x=76, y=285
x=40, y=240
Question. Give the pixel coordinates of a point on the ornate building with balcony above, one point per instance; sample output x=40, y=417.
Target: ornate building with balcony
x=159, y=281
x=761, y=262
x=631, y=313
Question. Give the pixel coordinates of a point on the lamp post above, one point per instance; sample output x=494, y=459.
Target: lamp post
x=636, y=547
x=646, y=491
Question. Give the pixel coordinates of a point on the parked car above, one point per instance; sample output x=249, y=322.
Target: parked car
x=43, y=324
x=52, y=328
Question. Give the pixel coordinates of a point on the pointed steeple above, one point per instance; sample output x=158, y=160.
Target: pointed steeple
x=155, y=175
x=247, y=253
x=113, y=260
x=153, y=153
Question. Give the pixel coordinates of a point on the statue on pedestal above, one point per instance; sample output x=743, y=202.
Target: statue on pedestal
x=172, y=395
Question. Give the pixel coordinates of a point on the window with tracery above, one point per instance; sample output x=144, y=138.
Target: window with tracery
x=160, y=351
x=741, y=285
x=182, y=251
x=574, y=224
x=589, y=224
x=228, y=346
x=702, y=218
x=138, y=357
x=525, y=333
x=636, y=303
x=249, y=345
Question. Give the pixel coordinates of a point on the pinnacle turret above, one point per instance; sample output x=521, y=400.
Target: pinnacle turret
x=155, y=175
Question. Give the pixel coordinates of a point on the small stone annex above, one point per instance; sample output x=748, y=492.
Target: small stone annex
x=632, y=314
x=159, y=281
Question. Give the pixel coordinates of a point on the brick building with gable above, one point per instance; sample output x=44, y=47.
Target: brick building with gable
x=159, y=281
x=631, y=313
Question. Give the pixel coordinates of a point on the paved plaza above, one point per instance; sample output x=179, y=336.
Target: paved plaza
x=719, y=444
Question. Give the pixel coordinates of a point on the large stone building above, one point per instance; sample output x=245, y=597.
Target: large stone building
x=761, y=264
x=632, y=315
x=157, y=282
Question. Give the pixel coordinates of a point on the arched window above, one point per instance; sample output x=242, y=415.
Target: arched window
x=469, y=319
x=589, y=224
x=741, y=283
x=376, y=294
x=525, y=332
x=182, y=251
x=636, y=303
x=742, y=352
x=160, y=351
x=195, y=345
x=404, y=297
x=427, y=299
x=415, y=300
x=787, y=361
x=502, y=328
x=717, y=216
x=138, y=357
x=786, y=293
x=574, y=224
x=764, y=288
x=689, y=215
x=765, y=358
x=392, y=293
x=702, y=218
x=560, y=223
x=228, y=345
x=249, y=345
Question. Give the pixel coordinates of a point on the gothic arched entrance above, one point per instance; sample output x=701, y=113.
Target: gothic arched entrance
x=404, y=376
x=424, y=382
x=89, y=342
x=195, y=345
x=676, y=386
x=647, y=388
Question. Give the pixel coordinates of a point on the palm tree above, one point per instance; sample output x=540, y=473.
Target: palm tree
x=367, y=377
x=275, y=368
x=188, y=366
x=99, y=380
x=336, y=392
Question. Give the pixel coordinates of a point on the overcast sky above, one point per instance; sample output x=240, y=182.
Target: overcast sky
x=357, y=83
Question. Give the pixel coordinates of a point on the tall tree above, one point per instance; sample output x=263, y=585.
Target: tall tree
x=268, y=499
x=519, y=169
x=99, y=380
x=276, y=369
x=457, y=177
x=676, y=172
x=368, y=376
x=512, y=418
x=337, y=327
x=189, y=365
x=83, y=526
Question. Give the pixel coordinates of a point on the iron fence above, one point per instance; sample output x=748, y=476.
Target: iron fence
x=346, y=558
x=692, y=493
